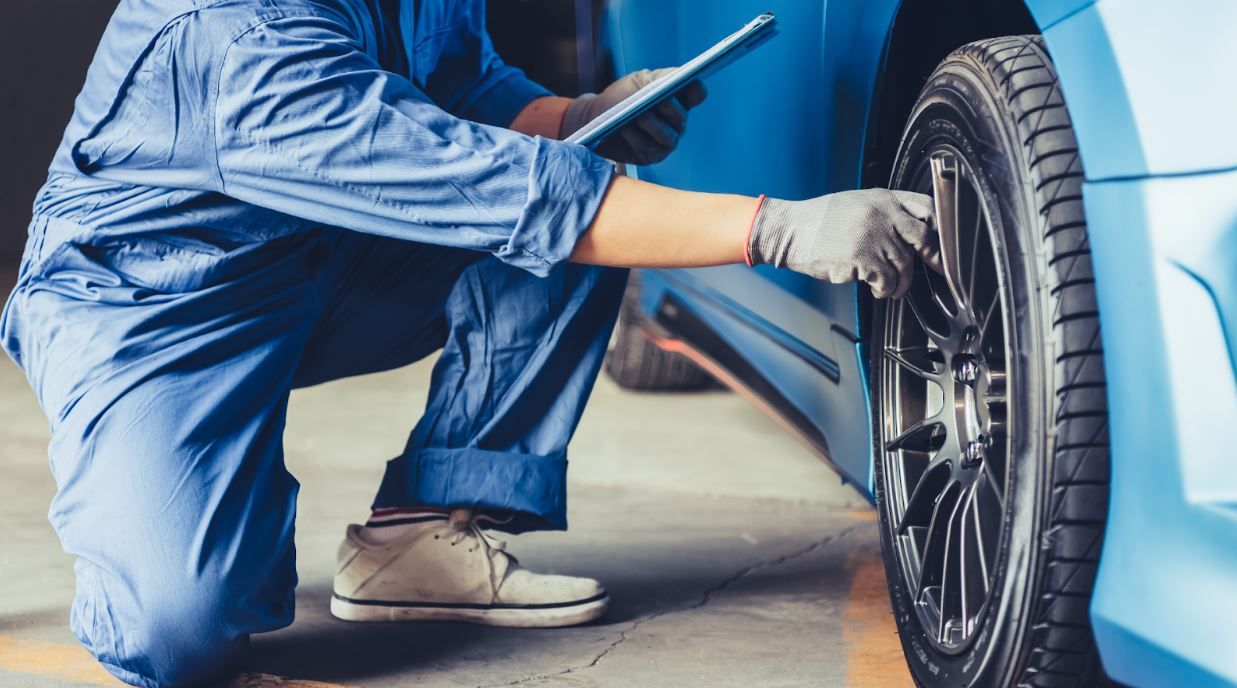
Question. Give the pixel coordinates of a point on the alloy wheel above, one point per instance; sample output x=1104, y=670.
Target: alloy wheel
x=944, y=421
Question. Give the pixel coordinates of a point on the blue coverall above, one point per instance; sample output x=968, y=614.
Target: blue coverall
x=255, y=195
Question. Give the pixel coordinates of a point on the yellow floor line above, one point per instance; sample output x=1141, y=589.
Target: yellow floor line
x=52, y=660
x=73, y=663
x=873, y=651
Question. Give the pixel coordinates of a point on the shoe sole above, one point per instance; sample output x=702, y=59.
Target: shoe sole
x=512, y=616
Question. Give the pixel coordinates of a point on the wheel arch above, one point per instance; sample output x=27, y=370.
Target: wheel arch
x=1120, y=136
x=922, y=33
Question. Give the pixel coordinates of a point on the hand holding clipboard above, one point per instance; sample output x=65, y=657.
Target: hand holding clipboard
x=755, y=32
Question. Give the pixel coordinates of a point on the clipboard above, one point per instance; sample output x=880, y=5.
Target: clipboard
x=756, y=31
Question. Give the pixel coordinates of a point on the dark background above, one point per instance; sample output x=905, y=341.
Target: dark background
x=46, y=45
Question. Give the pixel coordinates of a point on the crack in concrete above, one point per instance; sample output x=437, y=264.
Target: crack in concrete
x=705, y=598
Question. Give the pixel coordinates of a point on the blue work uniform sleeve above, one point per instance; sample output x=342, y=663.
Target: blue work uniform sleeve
x=310, y=125
x=468, y=78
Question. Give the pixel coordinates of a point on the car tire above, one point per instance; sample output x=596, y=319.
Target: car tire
x=1002, y=598
x=635, y=362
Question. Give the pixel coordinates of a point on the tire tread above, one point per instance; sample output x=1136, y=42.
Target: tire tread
x=1061, y=648
x=635, y=362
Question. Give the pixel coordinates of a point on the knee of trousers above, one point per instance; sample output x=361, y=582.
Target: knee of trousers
x=167, y=639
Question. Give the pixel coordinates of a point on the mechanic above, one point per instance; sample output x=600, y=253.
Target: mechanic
x=256, y=196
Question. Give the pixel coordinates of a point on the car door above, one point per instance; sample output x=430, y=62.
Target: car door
x=784, y=120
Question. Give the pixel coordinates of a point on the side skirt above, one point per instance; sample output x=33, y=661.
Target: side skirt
x=676, y=329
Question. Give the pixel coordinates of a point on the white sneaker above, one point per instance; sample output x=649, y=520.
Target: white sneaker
x=449, y=570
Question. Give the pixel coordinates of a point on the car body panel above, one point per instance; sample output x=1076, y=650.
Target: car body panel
x=815, y=146
x=1150, y=91
x=819, y=387
x=1049, y=12
x=1166, y=594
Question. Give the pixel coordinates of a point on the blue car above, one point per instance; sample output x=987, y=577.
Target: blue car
x=1048, y=430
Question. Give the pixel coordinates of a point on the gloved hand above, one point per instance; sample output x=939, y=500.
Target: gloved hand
x=650, y=137
x=871, y=235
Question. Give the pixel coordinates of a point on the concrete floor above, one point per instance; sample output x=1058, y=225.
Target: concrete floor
x=734, y=558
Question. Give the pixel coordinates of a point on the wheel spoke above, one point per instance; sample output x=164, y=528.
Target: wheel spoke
x=921, y=356
x=919, y=437
x=945, y=173
x=952, y=570
x=974, y=565
x=988, y=516
x=943, y=301
x=964, y=576
x=996, y=485
x=980, y=545
x=933, y=558
x=977, y=229
x=921, y=314
x=919, y=505
x=985, y=318
x=996, y=455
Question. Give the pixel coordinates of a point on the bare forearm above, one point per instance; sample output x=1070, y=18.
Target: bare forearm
x=542, y=117
x=644, y=225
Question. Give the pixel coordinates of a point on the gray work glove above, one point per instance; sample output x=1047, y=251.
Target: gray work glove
x=649, y=138
x=871, y=235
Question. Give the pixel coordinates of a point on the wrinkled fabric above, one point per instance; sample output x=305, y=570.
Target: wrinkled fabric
x=226, y=123
x=168, y=412
x=254, y=196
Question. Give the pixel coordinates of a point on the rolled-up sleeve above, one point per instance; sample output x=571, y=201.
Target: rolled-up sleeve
x=308, y=124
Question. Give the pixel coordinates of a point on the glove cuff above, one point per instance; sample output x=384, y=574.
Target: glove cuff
x=768, y=239
x=576, y=115
x=747, y=241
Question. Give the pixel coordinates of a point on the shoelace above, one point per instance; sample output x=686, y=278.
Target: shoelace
x=467, y=524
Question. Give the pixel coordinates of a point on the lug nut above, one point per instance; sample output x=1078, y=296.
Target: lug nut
x=967, y=371
x=973, y=454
